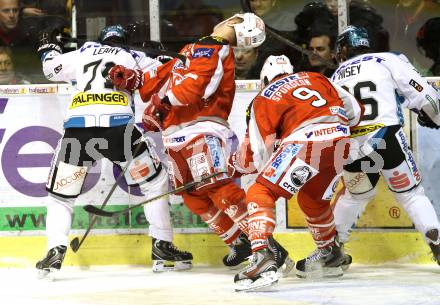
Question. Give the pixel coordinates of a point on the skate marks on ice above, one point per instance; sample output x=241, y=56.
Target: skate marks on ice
x=120, y=285
x=374, y=285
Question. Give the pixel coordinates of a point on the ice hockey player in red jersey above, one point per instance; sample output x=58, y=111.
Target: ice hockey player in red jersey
x=310, y=120
x=191, y=108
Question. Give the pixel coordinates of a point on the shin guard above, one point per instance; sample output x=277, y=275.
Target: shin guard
x=221, y=224
x=260, y=205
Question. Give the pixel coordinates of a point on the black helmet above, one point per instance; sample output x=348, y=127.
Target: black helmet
x=138, y=34
x=428, y=38
x=113, y=33
x=355, y=39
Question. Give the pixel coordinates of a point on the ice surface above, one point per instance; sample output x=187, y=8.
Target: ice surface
x=119, y=285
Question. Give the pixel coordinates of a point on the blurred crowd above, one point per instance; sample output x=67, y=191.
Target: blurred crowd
x=20, y=23
x=407, y=26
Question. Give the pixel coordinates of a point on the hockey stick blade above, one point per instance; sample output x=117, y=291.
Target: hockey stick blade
x=74, y=244
x=101, y=212
x=97, y=211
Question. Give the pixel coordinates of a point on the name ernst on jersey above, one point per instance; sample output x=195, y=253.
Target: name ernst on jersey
x=353, y=67
x=276, y=90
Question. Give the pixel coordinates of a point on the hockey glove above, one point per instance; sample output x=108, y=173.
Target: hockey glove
x=155, y=112
x=126, y=79
x=425, y=121
x=48, y=42
x=150, y=120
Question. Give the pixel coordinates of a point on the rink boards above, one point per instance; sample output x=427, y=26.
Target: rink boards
x=135, y=249
x=27, y=141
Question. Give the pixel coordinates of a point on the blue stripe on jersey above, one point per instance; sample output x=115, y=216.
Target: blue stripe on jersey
x=75, y=122
x=399, y=101
x=379, y=135
x=114, y=120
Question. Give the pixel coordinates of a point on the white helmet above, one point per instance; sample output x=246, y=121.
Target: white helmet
x=250, y=33
x=274, y=66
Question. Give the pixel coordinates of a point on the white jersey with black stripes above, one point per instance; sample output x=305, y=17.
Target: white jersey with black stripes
x=94, y=101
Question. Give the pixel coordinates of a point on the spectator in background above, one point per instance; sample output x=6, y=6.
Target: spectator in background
x=279, y=17
x=9, y=15
x=322, y=45
x=45, y=7
x=315, y=15
x=363, y=14
x=245, y=63
x=275, y=16
x=428, y=39
x=8, y=76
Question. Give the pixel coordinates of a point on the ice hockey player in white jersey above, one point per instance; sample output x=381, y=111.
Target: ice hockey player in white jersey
x=99, y=123
x=384, y=83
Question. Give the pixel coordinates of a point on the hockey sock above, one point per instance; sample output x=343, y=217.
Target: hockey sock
x=230, y=198
x=221, y=224
x=58, y=222
x=347, y=210
x=260, y=205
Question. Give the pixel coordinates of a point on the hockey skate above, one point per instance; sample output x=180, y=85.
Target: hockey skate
x=261, y=272
x=52, y=262
x=166, y=257
x=347, y=259
x=284, y=263
x=323, y=262
x=239, y=252
x=434, y=244
x=346, y=262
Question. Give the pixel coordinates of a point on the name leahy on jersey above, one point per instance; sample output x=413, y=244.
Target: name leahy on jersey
x=95, y=102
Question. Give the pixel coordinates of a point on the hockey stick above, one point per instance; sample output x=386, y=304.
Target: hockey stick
x=300, y=49
x=101, y=212
x=76, y=243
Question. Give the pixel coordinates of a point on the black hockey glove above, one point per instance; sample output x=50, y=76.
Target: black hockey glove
x=48, y=41
x=425, y=121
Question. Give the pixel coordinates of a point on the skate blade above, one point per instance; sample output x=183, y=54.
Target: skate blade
x=165, y=266
x=266, y=279
x=347, y=262
x=288, y=265
x=319, y=273
x=242, y=265
x=47, y=274
x=345, y=267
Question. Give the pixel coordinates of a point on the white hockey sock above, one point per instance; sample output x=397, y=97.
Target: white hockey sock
x=158, y=216
x=58, y=222
x=346, y=212
x=419, y=209
x=158, y=211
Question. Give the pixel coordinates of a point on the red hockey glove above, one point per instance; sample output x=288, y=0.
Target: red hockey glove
x=150, y=119
x=155, y=112
x=126, y=79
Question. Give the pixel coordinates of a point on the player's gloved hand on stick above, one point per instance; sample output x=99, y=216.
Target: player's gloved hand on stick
x=155, y=112
x=425, y=121
x=126, y=79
